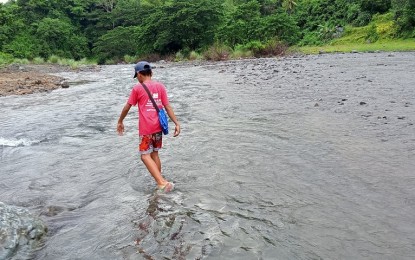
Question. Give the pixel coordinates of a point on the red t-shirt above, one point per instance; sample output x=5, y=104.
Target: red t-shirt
x=148, y=117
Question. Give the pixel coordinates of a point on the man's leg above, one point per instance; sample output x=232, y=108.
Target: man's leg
x=156, y=159
x=154, y=169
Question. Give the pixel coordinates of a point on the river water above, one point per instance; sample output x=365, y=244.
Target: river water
x=297, y=158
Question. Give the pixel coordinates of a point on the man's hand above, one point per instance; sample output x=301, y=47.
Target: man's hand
x=124, y=112
x=120, y=128
x=176, y=130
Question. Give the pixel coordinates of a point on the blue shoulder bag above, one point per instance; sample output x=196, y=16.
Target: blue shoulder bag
x=164, y=123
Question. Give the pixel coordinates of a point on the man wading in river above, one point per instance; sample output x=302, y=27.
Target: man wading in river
x=149, y=127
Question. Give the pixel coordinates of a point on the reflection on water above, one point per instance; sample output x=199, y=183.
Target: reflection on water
x=299, y=158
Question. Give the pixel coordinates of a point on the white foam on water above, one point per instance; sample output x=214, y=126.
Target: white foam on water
x=17, y=142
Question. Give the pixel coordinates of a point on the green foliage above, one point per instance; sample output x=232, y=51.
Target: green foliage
x=372, y=35
x=375, y=6
x=240, y=52
x=381, y=28
x=195, y=56
x=21, y=61
x=117, y=43
x=180, y=25
x=57, y=36
x=323, y=16
x=130, y=59
x=23, y=46
x=380, y=45
x=217, y=52
x=272, y=47
x=311, y=38
x=362, y=19
x=246, y=24
x=5, y=58
x=404, y=11
x=123, y=30
x=53, y=59
x=38, y=60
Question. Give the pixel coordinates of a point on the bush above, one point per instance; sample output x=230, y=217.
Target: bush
x=23, y=46
x=21, y=61
x=362, y=19
x=311, y=38
x=179, y=56
x=273, y=47
x=217, y=52
x=5, y=58
x=254, y=46
x=375, y=6
x=405, y=18
x=372, y=35
x=386, y=27
x=195, y=56
x=241, y=51
x=240, y=54
x=117, y=43
x=130, y=59
x=38, y=60
x=53, y=59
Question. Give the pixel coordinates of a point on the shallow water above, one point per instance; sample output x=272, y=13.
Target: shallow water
x=297, y=158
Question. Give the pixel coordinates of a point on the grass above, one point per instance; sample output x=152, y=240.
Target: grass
x=378, y=35
x=6, y=59
x=380, y=45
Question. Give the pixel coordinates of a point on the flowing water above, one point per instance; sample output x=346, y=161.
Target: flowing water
x=297, y=158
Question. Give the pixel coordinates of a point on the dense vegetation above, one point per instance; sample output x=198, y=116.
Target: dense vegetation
x=115, y=30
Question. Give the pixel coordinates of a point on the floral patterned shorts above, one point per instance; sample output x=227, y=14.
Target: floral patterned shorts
x=150, y=143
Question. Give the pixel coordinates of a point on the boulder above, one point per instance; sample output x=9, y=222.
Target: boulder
x=20, y=232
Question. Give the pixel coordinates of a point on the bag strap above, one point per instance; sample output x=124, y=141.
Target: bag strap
x=151, y=98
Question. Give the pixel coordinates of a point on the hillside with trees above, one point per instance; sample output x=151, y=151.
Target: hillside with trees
x=122, y=30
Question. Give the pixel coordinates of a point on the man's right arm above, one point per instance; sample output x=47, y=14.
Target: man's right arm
x=120, y=125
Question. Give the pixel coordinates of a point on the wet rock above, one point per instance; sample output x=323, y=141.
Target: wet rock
x=20, y=232
x=65, y=84
x=51, y=211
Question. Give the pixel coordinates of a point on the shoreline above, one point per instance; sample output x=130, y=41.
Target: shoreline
x=16, y=79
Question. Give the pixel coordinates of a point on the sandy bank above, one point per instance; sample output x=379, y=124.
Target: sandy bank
x=29, y=79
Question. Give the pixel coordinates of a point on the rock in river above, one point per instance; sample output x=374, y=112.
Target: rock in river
x=20, y=232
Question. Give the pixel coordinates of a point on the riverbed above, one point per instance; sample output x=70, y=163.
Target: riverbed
x=308, y=157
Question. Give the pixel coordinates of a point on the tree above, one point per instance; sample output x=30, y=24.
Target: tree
x=289, y=5
x=375, y=6
x=58, y=37
x=117, y=43
x=240, y=25
x=405, y=16
x=180, y=25
x=23, y=45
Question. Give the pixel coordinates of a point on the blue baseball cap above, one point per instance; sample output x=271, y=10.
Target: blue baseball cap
x=141, y=66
